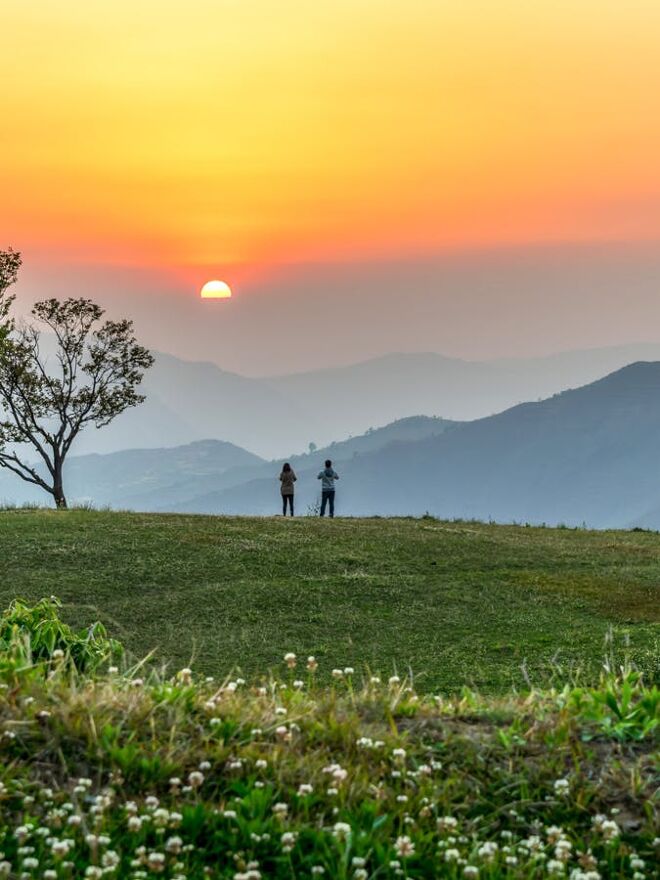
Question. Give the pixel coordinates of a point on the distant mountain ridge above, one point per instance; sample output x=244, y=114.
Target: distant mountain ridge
x=166, y=478
x=133, y=478
x=278, y=416
x=588, y=455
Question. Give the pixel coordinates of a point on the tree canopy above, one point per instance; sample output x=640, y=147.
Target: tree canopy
x=45, y=402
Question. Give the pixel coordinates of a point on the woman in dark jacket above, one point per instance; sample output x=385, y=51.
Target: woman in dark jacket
x=287, y=479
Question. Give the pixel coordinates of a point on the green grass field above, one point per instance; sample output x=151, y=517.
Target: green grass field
x=458, y=603
x=111, y=772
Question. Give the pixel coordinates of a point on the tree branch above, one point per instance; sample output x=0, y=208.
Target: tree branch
x=22, y=470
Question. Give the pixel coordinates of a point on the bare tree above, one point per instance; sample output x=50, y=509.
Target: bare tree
x=93, y=378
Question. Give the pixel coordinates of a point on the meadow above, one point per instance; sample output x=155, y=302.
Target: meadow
x=522, y=743
x=458, y=604
x=113, y=770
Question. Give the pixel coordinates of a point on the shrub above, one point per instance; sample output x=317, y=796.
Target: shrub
x=38, y=631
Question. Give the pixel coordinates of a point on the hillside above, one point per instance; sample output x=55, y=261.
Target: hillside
x=254, y=491
x=188, y=401
x=459, y=603
x=584, y=456
x=386, y=388
x=174, y=478
x=140, y=478
x=279, y=416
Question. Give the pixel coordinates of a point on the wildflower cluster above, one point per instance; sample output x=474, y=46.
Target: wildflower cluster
x=185, y=779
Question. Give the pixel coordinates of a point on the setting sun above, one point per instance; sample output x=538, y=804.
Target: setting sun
x=215, y=290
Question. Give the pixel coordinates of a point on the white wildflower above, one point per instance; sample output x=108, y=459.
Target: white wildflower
x=488, y=850
x=404, y=847
x=341, y=830
x=156, y=862
x=195, y=779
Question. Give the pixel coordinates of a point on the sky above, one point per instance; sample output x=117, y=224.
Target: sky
x=368, y=176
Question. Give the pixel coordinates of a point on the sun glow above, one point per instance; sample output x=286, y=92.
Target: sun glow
x=437, y=125
x=215, y=290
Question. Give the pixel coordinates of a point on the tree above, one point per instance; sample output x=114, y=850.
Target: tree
x=45, y=405
x=10, y=263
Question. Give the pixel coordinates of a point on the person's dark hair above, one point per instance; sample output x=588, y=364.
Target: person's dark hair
x=328, y=463
x=286, y=468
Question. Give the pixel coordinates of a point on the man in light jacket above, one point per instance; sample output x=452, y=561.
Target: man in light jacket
x=328, y=477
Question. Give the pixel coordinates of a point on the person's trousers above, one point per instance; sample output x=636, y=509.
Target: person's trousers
x=328, y=498
x=287, y=499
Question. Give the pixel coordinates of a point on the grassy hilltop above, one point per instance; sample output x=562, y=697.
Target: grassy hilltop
x=127, y=771
x=458, y=603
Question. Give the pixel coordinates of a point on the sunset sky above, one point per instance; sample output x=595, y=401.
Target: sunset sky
x=178, y=142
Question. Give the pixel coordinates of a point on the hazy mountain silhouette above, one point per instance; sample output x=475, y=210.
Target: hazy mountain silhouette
x=258, y=483
x=278, y=416
x=588, y=455
x=584, y=456
x=141, y=479
x=162, y=479
x=203, y=402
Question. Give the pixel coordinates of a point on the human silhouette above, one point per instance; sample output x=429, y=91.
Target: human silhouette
x=328, y=476
x=287, y=479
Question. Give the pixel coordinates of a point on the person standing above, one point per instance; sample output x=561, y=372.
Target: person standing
x=328, y=476
x=287, y=479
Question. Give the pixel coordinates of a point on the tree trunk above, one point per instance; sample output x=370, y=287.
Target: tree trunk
x=58, y=490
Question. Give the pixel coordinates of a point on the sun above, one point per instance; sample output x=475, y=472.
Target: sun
x=215, y=290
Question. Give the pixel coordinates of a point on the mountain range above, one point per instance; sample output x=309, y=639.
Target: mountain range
x=277, y=416
x=168, y=478
x=583, y=456
x=586, y=456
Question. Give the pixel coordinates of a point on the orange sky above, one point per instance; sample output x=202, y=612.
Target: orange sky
x=216, y=132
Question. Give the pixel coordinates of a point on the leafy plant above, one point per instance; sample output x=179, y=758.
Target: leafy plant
x=86, y=649
x=621, y=708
